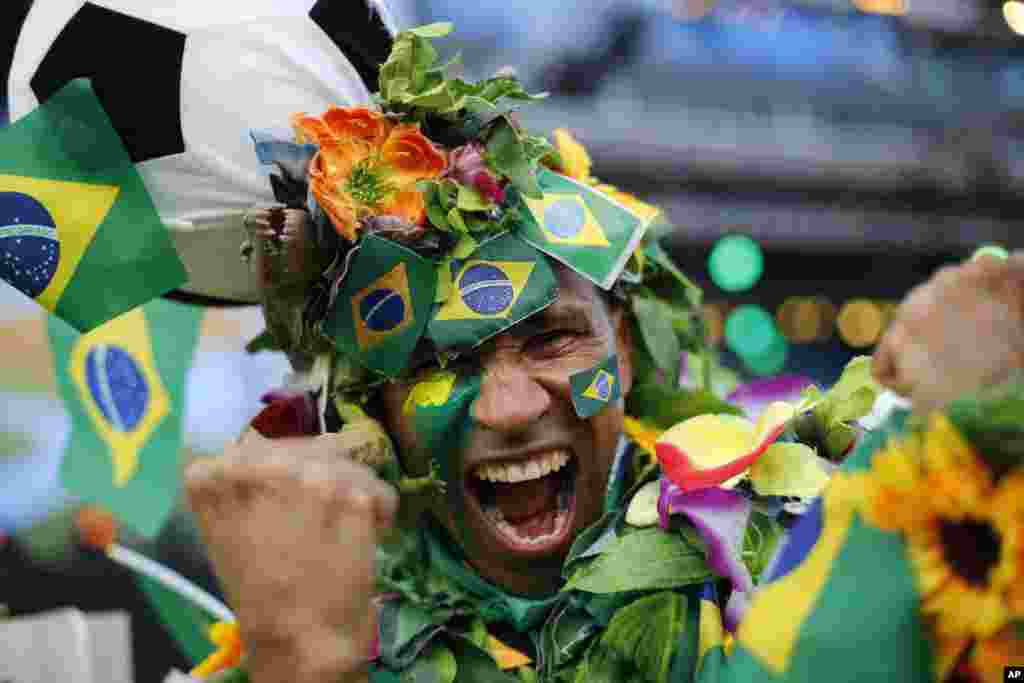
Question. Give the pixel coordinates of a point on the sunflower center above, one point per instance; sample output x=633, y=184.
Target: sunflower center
x=971, y=548
x=367, y=185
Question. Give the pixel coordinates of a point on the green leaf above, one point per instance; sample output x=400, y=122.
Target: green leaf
x=537, y=147
x=506, y=155
x=469, y=199
x=647, y=633
x=665, y=407
x=666, y=279
x=477, y=666
x=436, y=30
x=838, y=439
x=602, y=665
x=455, y=220
x=658, y=334
x=233, y=675
x=437, y=665
x=436, y=211
x=761, y=542
x=407, y=71
x=852, y=396
x=647, y=559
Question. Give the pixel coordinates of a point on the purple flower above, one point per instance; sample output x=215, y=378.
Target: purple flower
x=466, y=166
x=720, y=517
x=754, y=396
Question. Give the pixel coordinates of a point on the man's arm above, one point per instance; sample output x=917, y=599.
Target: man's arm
x=291, y=526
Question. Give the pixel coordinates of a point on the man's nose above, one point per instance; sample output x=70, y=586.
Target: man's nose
x=510, y=399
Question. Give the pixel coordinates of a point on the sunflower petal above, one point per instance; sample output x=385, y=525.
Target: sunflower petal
x=575, y=159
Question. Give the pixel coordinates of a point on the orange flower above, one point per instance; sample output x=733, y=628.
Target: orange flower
x=359, y=123
x=411, y=154
x=367, y=166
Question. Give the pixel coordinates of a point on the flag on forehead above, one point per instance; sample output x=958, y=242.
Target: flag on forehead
x=123, y=384
x=78, y=231
x=596, y=388
x=581, y=227
x=384, y=304
x=501, y=283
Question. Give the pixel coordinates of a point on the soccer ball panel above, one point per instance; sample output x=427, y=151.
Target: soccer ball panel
x=361, y=31
x=135, y=67
x=254, y=77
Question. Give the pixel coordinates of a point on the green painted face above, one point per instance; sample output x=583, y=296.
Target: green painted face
x=525, y=472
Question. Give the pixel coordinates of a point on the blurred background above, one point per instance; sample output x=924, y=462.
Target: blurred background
x=847, y=149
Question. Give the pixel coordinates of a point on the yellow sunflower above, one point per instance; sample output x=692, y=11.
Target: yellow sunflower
x=576, y=164
x=961, y=541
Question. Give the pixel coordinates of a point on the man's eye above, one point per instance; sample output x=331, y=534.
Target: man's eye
x=553, y=342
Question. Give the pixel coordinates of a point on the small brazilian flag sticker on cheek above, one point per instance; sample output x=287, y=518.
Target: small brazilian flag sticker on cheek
x=596, y=388
x=383, y=307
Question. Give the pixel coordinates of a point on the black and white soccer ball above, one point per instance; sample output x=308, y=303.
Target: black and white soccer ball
x=184, y=81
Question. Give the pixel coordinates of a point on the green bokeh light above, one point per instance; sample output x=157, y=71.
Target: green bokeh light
x=771, y=362
x=736, y=263
x=993, y=250
x=751, y=334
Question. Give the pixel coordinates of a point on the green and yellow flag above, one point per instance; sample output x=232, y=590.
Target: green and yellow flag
x=503, y=282
x=383, y=306
x=78, y=230
x=124, y=386
x=595, y=389
x=581, y=227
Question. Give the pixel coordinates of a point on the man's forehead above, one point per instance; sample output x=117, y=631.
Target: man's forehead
x=578, y=305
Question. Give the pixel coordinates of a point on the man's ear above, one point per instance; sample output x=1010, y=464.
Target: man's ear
x=621, y=320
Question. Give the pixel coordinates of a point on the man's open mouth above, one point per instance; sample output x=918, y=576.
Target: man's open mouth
x=529, y=503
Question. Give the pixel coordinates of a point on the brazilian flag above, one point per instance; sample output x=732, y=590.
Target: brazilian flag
x=504, y=281
x=78, y=230
x=595, y=389
x=581, y=227
x=382, y=309
x=840, y=603
x=124, y=386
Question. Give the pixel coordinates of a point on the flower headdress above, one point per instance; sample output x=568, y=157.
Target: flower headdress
x=434, y=218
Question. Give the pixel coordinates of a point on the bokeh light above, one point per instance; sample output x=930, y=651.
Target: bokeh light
x=751, y=334
x=1013, y=12
x=736, y=263
x=860, y=323
x=993, y=250
x=892, y=7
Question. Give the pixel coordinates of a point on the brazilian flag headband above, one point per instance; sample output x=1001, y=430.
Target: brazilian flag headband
x=437, y=216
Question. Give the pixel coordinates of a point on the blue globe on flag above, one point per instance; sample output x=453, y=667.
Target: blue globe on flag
x=565, y=218
x=117, y=386
x=29, y=249
x=382, y=309
x=486, y=289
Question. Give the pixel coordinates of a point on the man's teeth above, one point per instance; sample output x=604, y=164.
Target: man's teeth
x=534, y=468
